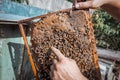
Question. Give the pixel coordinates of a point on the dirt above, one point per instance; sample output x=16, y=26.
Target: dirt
x=70, y=32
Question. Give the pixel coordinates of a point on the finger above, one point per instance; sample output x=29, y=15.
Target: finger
x=52, y=68
x=51, y=75
x=56, y=77
x=59, y=55
x=84, y=5
x=55, y=61
x=51, y=71
x=74, y=2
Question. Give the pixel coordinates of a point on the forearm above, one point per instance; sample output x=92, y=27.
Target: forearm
x=113, y=8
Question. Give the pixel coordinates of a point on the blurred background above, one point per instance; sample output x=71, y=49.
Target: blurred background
x=14, y=62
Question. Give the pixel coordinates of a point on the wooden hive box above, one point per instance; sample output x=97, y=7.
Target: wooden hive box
x=72, y=33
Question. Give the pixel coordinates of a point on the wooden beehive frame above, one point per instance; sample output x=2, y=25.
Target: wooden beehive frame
x=26, y=42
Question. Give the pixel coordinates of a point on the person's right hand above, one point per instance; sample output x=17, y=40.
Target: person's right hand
x=64, y=68
x=79, y=4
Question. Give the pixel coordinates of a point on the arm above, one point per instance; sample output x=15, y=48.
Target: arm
x=64, y=68
x=111, y=6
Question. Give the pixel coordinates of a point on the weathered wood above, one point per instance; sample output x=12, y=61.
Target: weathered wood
x=108, y=54
x=70, y=32
x=28, y=50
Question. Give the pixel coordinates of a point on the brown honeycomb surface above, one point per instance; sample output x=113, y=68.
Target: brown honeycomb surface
x=70, y=32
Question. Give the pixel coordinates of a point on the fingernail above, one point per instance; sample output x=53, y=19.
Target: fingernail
x=51, y=47
x=77, y=6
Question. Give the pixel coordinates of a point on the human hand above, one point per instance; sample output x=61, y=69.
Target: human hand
x=79, y=4
x=64, y=68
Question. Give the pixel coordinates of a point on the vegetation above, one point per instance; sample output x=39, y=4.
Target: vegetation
x=107, y=30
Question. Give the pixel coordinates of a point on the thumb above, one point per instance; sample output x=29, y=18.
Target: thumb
x=87, y=4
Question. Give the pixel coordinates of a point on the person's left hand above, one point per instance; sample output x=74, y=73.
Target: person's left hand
x=64, y=68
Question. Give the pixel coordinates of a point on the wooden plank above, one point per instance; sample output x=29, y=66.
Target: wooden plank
x=108, y=54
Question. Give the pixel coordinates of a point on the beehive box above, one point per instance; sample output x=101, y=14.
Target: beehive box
x=72, y=33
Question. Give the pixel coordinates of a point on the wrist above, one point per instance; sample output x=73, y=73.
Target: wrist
x=110, y=5
x=111, y=2
x=97, y=3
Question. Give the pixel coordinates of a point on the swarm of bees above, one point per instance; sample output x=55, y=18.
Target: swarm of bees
x=71, y=33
